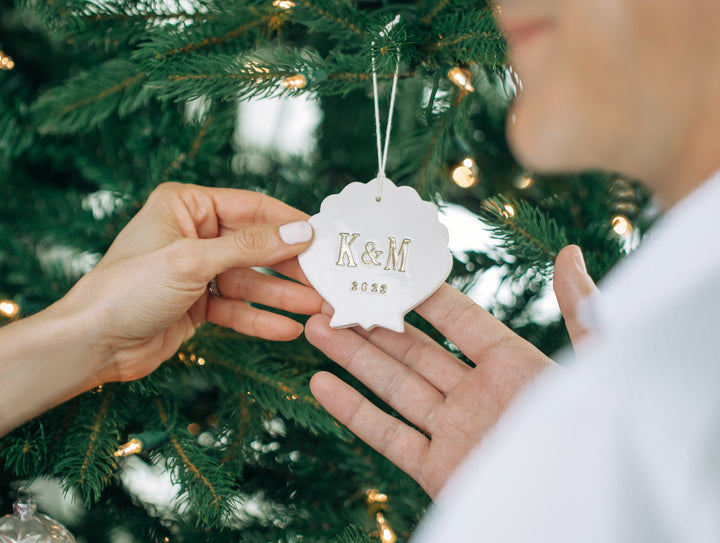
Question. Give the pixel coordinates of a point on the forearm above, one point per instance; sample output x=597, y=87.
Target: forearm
x=45, y=360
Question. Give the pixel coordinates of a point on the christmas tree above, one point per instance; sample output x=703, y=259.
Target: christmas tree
x=102, y=101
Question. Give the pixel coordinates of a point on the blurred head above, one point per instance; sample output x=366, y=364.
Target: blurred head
x=626, y=85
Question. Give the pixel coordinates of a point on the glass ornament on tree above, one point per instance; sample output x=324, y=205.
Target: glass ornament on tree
x=26, y=525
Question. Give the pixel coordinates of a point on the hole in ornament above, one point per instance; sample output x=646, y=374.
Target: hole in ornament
x=378, y=198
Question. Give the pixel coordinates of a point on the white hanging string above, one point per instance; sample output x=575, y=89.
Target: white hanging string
x=382, y=153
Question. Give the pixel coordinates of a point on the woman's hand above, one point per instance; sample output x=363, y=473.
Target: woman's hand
x=149, y=292
x=451, y=405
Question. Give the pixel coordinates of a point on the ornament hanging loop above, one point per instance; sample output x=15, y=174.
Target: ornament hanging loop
x=383, y=152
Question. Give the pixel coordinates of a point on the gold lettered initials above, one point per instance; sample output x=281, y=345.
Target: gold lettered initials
x=345, y=252
x=394, y=254
x=396, y=259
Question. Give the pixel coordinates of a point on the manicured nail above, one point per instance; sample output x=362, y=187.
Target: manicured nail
x=296, y=232
x=580, y=260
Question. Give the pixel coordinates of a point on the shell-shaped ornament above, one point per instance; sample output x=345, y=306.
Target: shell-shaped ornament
x=376, y=254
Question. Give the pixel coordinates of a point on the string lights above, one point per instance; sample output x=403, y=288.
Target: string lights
x=377, y=503
x=294, y=82
x=624, y=206
x=621, y=225
x=283, y=4
x=134, y=446
x=465, y=174
x=6, y=62
x=506, y=211
x=9, y=309
x=141, y=442
x=386, y=533
x=375, y=496
x=191, y=359
x=461, y=77
x=524, y=182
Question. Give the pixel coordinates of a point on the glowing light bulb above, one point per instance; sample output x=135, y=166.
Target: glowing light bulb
x=386, y=533
x=621, y=225
x=375, y=496
x=6, y=62
x=9, y=309
x=465, y=174
x=283, y=4
x=509, y=210
x=524, y=182
x=200, y=361
x=461, y=78
x=134, y=446
x=297, y=81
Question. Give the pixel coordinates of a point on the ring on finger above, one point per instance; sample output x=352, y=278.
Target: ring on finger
x=213, y=287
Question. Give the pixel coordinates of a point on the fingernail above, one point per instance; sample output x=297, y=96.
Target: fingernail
x=296, y=232
x=580, y=260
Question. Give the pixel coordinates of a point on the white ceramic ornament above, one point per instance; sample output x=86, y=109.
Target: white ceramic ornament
x=373, y=261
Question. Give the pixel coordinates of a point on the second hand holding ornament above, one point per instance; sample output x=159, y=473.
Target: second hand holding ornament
x=378, y=250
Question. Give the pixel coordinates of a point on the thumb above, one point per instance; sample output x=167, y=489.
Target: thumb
x=254, y=245
x=572, y=284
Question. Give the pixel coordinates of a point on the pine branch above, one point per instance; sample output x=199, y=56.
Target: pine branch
x=186, y=461
x=353, y=534
x=24, y=451
x=16, y=136
x=77, y=16
x=429, y=9
x=86, y=100
x=224, y=77
x=87, y=460
x=528, y=234
x=331, y=16
x=272, y=21
x=470, y=38
x=433, y=156
x=96, y=428
x=207, y=489
x=176, y=164
x=240, y=431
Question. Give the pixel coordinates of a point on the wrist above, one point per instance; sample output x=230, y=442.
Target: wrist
x=80, y=326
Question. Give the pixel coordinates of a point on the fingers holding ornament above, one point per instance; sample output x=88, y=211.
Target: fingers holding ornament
x=252, y=321
x=261, y=288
